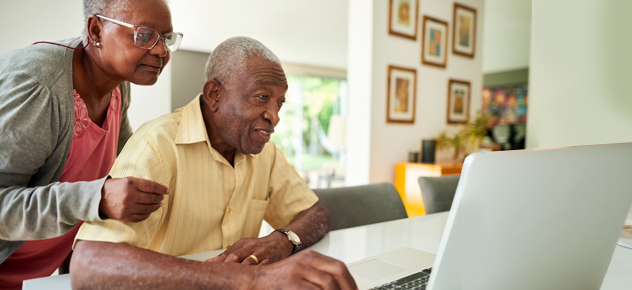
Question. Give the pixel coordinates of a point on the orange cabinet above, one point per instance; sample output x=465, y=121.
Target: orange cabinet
x=406, y=175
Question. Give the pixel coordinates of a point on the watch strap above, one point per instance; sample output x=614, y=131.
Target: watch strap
x=286, y=232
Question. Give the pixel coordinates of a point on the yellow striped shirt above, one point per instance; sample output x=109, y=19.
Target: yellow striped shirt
x=212, y=205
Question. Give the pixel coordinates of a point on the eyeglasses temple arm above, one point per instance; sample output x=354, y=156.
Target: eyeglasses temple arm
x=116, y=21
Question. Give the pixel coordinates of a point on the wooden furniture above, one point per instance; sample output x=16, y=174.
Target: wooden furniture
x=406, y=183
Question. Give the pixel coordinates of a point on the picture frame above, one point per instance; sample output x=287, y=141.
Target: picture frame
x=402, y=18
x=401, y=95
x=434, y=42
x=464, y=30
x=459, y=96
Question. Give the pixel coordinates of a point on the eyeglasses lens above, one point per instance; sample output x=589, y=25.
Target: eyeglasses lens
x=172, y=40
x=147, y=38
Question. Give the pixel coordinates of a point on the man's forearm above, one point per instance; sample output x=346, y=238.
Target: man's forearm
x=310, y=225
x=103, y=265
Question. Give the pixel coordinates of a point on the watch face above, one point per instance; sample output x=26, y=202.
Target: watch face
x=294, y=237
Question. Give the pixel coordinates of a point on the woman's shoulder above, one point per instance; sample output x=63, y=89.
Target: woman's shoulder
x=45, y=63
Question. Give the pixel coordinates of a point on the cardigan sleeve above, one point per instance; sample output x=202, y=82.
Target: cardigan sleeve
x=126, y=129
x=34, y=145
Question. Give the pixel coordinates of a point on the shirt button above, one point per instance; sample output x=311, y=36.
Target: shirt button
x=228, y=246
x=229, y=210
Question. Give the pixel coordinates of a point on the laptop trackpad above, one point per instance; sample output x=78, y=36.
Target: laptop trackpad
x=375, y=269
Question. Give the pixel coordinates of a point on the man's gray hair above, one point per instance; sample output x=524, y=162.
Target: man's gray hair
x=230, y=57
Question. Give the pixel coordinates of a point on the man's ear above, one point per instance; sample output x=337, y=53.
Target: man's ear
x=94, y=27
x=212, y=94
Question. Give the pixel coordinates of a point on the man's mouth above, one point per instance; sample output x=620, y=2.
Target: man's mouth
x=265, y=132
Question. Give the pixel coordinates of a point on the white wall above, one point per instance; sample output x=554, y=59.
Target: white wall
x=390, y=143
x=580, y=73
x=359, y=78
x=23, y=22
x=507, y=33
x=150, y=102
x=298, y=31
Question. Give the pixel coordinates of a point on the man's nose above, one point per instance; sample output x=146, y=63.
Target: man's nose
x=272, y=114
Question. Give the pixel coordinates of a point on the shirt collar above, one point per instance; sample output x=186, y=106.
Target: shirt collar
x=193, y=130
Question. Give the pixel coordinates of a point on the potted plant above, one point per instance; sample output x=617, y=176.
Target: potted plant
x=466, y=139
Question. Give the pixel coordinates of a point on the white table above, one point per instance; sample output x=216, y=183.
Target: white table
x=353, y=244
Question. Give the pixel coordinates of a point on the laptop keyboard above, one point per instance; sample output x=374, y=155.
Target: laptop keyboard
x=417, y=281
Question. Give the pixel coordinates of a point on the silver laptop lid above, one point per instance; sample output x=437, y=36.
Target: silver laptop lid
x=535, y=219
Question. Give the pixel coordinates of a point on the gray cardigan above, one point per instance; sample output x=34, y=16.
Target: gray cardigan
x=36, y=127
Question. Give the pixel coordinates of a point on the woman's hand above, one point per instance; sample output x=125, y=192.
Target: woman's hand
x=131, y=199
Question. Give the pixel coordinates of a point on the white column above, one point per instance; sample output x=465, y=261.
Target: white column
x=359, y=76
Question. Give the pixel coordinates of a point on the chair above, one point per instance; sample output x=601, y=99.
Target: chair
x=438, y=192
x=362, y=205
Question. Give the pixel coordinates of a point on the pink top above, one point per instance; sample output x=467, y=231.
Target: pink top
x=92, y=154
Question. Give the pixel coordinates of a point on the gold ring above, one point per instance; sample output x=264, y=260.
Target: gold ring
x=255, y=258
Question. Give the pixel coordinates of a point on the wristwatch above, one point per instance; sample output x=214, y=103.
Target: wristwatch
x=293, y=238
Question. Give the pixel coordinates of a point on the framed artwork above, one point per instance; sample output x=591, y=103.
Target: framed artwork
x=464, y=33
x=401, y=95
x=508, y=103
x=434, y=42
x=402, y=18
x=458, y=101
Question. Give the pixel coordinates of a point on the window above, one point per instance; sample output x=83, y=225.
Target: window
x=302, y=133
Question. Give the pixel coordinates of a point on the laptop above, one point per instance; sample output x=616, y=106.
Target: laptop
x=529, y=219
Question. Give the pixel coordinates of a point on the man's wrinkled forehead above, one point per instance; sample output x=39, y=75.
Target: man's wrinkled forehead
x=259, y=72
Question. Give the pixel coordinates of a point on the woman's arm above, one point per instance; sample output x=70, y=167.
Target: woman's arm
x=126, y=129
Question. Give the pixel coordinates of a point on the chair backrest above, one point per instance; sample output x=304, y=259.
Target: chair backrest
x=362, y=205
x=438, y=192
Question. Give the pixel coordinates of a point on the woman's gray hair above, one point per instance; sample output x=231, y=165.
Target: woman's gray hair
x=108, y=8
x=230, y=57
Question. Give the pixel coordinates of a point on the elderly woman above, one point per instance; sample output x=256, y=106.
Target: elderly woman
x=63, y=117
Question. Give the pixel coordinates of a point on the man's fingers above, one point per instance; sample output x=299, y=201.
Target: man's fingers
x=265, y=262
x=236, y=256
x=219, y=258
x=249, y=261
x=324, y=280
x=147, y=185
x=329, y=265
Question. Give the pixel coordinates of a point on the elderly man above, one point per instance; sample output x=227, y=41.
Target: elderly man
x=224, y=178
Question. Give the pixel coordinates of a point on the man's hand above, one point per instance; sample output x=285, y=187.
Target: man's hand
x=305, y=270
x=131, y=199
x=268, y=249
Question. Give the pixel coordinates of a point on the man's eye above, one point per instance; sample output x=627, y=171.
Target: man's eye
x=280, y=103
x=263, y=97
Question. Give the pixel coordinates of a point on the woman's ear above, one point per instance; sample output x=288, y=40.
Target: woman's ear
x=94, y=27
x=212, y=93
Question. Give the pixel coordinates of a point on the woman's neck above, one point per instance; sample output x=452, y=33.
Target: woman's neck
x=92, y=84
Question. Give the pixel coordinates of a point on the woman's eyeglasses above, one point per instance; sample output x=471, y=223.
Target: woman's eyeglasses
x=146, y=38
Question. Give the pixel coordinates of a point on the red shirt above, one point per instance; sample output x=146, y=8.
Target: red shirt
x=92, y=154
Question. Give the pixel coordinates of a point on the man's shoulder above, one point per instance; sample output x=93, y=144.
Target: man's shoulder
x=161, y=129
